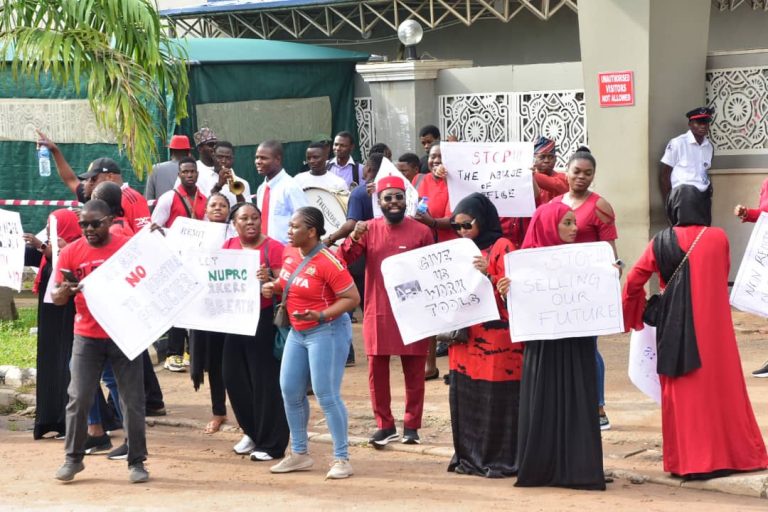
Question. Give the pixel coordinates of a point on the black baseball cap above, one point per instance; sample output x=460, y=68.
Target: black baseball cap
x=99, y=166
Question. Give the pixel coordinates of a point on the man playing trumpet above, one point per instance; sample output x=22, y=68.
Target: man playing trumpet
x=234, y=188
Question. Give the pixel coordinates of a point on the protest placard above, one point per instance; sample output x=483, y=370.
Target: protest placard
x=137, y=294
x=53, y=243
x=411, y=195
x=643, y=362
x=565, y=291
x=750, y=289
x=11, y=250
x=231, y=301
x=436, y=289
x=499, y=170
x=186, y=233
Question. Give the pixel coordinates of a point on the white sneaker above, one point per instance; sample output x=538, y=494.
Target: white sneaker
x=260, y=456
x=340, y=468
x=293, y=462
x=244, y=446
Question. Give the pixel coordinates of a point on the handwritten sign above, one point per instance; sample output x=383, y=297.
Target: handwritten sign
x=137, y=294
x=436, y=289
x=643, y=362
x=53, y=242
x=750, y=289
x=11, y=250
x=411, y=195
x=499, y=170
x=186, y=233
x=565, y=291
x=231, y=301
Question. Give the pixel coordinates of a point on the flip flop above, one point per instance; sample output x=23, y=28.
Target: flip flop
x=214, y=425
x=434, y=376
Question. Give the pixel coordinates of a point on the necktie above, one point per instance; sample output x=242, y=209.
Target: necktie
x=265, y=212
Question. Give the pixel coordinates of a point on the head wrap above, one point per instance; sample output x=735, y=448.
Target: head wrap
x=543, y=231
x=689, y=206
x=390, y=182
x=68, y=229
x=480, y=208
x=543, y=146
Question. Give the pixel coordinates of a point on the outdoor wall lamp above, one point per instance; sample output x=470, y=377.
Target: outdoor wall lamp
x=410, y=33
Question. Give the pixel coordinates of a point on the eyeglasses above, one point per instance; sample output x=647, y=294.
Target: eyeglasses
x=392, y=197
x=95, y=224
x=462, y=225
x=209, y=144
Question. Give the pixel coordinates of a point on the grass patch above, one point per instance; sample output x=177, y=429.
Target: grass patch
x=17, y=346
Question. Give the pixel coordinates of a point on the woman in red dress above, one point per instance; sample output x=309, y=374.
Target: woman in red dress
x=708, y=426
x=597, y=223
x=485, y=372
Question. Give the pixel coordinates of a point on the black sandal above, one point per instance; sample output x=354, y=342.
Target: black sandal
x=434, y=376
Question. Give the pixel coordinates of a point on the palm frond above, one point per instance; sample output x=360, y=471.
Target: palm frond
x=117, y=47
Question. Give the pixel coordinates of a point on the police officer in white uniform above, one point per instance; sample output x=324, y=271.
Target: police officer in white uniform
x=688, y=157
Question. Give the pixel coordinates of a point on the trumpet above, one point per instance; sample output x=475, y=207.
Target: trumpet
x=236, y=185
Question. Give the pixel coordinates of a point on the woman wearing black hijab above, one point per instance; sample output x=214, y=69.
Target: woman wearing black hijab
x=708, y=427
x=485, y=371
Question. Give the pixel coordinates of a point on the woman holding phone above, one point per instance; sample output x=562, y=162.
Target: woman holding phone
x=319, y=291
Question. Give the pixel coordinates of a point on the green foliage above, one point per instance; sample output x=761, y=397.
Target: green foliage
x=118, y=47
x=17, y=346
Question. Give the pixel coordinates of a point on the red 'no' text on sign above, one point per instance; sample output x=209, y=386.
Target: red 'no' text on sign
x=616, y=89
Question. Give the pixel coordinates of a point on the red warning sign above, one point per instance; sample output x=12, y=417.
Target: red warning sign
x=616, y=89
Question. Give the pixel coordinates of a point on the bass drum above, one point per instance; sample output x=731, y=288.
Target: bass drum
x=332, y=204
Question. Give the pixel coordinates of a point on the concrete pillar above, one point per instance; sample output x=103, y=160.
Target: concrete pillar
x=665, y=44
x=404, y=99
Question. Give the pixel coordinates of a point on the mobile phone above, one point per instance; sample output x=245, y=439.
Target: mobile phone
x=69, y=276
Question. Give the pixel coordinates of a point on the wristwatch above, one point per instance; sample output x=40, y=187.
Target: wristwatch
x=619, y=263
x=321, y=318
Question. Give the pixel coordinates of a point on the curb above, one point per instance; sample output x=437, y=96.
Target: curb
x=753, y=485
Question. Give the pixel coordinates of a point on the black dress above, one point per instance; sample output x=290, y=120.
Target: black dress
x=252, y=379
x=559, y=441
x=55, y=326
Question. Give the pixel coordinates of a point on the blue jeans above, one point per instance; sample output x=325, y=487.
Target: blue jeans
x=600, y=377
x=108, y=376
x=321, y=351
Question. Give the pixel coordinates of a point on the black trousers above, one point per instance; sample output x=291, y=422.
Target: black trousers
x=252, y=379
x=153, y=395
x=177, y=340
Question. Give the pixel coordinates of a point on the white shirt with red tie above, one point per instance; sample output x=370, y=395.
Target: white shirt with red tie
x=284, y=198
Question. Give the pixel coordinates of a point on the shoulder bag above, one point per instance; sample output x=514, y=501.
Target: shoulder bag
x=653, y=305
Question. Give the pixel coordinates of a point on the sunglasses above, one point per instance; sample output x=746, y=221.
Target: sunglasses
x=462, y=225
x=95, y=224
x=392, y=197
x=209, y=144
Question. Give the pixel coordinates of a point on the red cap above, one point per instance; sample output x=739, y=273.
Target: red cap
x=390, y=182
x=179, y=142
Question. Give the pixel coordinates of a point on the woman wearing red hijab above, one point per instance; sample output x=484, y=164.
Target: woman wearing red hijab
x=558, y=441
x=54, y=332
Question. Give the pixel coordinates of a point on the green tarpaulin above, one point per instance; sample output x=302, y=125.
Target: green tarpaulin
x=260, y=74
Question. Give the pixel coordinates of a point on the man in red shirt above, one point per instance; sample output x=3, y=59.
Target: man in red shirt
x=377, y=239
x=186, y=200
x=92, y=348
x=102, y=169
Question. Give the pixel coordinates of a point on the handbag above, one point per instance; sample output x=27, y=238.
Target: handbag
x=653, y=305
x=281, y=319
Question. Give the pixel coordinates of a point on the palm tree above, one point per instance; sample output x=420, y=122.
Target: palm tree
x=117, y=47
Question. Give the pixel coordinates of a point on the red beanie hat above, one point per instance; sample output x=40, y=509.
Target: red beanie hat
x=390, y=182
